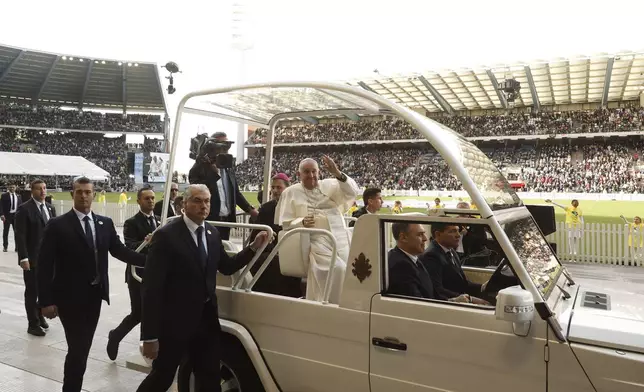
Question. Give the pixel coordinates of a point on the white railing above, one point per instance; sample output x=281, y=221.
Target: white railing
x=599, y=243
x=120, y=213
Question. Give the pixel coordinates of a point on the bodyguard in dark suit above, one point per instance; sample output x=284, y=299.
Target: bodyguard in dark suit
x=135, y=230
x=172, y=209
x=73, y=275
x=9, y=203
x=179, y=301
x=31, y=218
x=222, y=184
x=372, y=204
x=444, y=265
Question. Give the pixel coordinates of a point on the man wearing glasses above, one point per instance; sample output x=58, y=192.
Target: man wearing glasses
x=172, y=210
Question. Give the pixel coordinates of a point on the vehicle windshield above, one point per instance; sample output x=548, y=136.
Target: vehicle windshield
x=535, y=253
x=486, y=176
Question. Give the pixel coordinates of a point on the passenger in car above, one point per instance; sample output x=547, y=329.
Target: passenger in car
x=444, y=265
x=407, y=275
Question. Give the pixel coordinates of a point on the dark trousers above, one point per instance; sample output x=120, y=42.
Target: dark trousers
x=79, y=321
x=224, y=232
x=31, y=296
x=134, y=318
x=201, y=350
x=9, y=221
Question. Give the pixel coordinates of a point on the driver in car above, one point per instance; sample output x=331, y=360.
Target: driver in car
x=444, y=266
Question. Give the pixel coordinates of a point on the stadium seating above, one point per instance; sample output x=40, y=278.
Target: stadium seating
x=543, y=123
x=55, y=117
x=610, y=167
x=109, y=154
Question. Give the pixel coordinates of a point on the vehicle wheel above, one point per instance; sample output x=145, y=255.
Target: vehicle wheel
x=237, y=371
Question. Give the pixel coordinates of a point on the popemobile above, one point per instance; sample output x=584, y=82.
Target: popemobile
x=543, y=331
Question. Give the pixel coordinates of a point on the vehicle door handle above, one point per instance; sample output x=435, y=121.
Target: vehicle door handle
x=389, y=343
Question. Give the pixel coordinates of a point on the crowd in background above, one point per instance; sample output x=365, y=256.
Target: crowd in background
x=543, y=123
x=598, y=167
x=15, y=114
x=110, y=154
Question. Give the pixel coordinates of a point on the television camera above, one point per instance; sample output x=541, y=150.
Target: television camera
x=205, y=149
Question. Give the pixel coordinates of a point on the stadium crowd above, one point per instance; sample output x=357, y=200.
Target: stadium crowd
x=596, y=167
x=54, y=117
x=109, y=154
x=543, y=123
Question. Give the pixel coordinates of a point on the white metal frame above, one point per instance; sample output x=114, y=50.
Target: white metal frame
x=434, y=134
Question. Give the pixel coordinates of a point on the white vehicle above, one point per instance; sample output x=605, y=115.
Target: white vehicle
x=546, y=333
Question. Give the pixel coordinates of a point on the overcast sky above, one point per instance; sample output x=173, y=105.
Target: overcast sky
x=319, y=40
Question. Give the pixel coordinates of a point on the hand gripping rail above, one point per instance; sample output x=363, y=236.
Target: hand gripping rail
x=268, y=229
x=224, y=224
x=348, y=219
x=271, y=256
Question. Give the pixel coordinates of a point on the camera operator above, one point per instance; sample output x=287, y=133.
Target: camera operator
x=214, y=168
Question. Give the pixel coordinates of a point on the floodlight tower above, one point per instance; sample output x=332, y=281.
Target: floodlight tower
x=241, y=42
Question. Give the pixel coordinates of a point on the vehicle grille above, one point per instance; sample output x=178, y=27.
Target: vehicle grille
x=595, y=300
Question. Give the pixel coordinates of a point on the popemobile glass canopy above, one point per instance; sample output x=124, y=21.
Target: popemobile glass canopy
x=268, y=104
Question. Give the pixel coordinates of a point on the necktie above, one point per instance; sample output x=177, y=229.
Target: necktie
x=45, y=218
x=90, y=240
x=13, y=202
x=152, y=223
x=88, y=232
x=452, y=258
x=203, y=255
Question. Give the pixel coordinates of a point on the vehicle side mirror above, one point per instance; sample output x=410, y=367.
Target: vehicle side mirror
x=515, y=305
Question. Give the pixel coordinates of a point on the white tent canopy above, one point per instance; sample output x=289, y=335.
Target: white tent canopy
x=49, y=165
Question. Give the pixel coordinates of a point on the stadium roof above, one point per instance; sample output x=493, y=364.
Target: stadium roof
x=64, y=79
x=49, y=165
x=604, y=78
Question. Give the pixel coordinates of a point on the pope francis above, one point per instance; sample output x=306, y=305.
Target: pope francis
x=316, y=203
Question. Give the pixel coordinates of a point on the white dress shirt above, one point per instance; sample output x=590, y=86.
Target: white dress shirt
x=412, y=257
x=192, y=227
x=38, y=204
x=13, y=202
x=223, y=205
x=92, y=224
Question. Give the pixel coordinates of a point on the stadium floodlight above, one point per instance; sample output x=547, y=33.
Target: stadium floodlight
x=71, y=58
x=173, y=68
x=103, y=62
x=81, y=60
x=64, y=57
x=136, y=64
x=120, y=63
x=129, y=64
x=95, y=61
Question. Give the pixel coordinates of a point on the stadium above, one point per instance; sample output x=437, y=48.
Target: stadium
x=558, y=130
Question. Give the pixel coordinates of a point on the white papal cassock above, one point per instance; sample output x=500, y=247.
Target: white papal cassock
x=326, y=203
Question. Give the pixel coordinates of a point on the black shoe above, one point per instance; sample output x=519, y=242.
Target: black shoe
x=44, y=324
x=4, y=250
x=36, y=331
x=112, y=346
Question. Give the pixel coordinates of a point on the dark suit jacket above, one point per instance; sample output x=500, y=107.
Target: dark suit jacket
x=134, y=231
x=157, y=209
x=357, y=214
x=176, y=285
x=266, y=216
x=66, y=260
x=5, y=203
x=449, y=280
x=29, y=230
x=204, y=174
x=405, y=278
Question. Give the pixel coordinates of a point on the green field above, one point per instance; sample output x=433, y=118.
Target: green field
x=594, y=211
